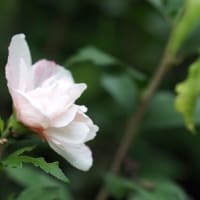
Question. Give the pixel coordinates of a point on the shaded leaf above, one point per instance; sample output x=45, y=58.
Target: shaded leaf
x=161, y=190
x=119, y=187
x=46, y=193
x=143, y=189
x=29, y=176
x=185, y=25
x=93, y=55
x=122, y=88
x=17, y=159
x=149, y=157
x=99, y=58
x=161, y=113
x=169, y=9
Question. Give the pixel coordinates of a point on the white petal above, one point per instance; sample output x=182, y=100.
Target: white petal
x=25, y=82
x=18, y=50
x=26, y=111
x=64, y=118
x=79, y=155
x=67, y=115
x=74, y=133
x=45, y=70
x=92, y=133
x=75, y=91
x=81, y=117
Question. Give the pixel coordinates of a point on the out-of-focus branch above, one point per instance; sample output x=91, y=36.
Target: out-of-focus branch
x=134, y=122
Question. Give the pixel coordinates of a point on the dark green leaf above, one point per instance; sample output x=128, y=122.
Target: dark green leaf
x=46, y=193
x=119, y=187
x=149, y=157
x=99, y=58
x=17, y=159
x=169, y=9
x=28, y=176
x=161, y=113
x=93, y=55
x=162, y=189
x=122, y=88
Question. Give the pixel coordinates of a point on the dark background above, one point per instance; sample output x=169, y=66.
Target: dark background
x=135, y=32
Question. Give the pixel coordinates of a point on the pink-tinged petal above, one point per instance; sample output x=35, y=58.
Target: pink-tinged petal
x=25, y=82
x=83, y=118
x=63, y=98
x=18, y=51
x=62, y=90
x=92, y=133
x=44, y=70
x=75, y=91
x=64, y=118
x=74, y=133
x=56, y=104
x=27, y=112
x=79, y=155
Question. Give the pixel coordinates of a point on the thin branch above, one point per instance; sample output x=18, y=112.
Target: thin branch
x=134, y=122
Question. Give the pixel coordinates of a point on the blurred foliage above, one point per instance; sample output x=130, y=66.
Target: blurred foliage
x=145, y=189
x=114, y=46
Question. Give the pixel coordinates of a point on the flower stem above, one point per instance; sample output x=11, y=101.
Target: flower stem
x=134, y=122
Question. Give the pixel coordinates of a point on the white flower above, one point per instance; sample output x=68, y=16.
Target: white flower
x=44, y=96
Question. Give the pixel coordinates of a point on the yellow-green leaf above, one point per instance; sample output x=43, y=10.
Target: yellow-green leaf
x=188, y=92
x=184, y=26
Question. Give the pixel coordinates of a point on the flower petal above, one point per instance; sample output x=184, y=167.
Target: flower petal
x=64, y=118
x=79, y=155
x=26, y=111
x=83, y=118
x=18, y=52
x=48, y=70
x=74, y=133
x=56, y=102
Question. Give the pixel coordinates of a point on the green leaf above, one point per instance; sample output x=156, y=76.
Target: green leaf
x=46, y=193
x=122, y=88
x=28, y=176
x=162, y=117
x=99, y=58
x=161, y=190
x=187, y=94
x=143, y=189
x=185, y=25
x=120, y=187
x=169, y=9
x=151, y=157
x=17, y=159
x=93, y=55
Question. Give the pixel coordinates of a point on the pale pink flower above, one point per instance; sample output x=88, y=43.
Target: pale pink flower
x=44, y=96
